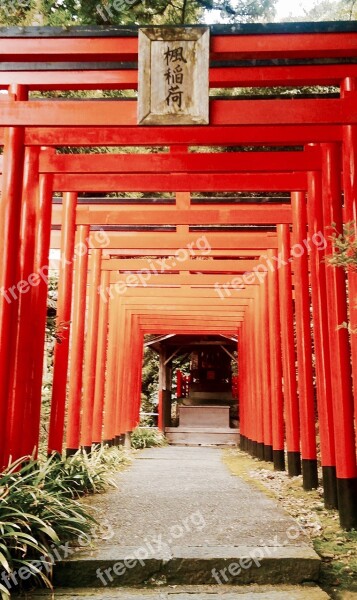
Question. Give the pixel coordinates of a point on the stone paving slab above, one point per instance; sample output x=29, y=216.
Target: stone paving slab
x=191, y=593
x=188, y=497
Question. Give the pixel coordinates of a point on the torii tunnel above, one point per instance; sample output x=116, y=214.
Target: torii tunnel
x=171, y=256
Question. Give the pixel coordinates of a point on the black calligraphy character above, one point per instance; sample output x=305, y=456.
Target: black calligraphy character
x=174, y=55
x=174, y=96
x=175, y=76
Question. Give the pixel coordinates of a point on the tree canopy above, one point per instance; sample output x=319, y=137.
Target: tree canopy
x=132, y=12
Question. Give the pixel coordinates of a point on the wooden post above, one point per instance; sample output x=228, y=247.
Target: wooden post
x=304, y=343
x=342, y=399
x=101, y=364
x=77, y=346
x=109, y=423
x=349, y=162
x=275, y=363
x=266, y=381
x=64, y=303
x=321, y=307
x=258, y=440
x=288, y=352
x=31, y=427
x=10, y=214
x=336, y=302
x=90, y=354
x=20, y=387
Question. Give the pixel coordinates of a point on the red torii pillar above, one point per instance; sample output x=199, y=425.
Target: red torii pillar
x=90, y=353
x=242, y=361
x=249, y=400
x=336, y=302
x=77, y=349
x=20, y=379
x=109, y=425
x=304, y=343
x=258, y=444
x=275, y=363
x=31, y=421
x=266, y=376
x=10, y=214
x=344, y=423
x=100, y=370
x=64, y=303
x=349, y=164
x=342, y=408
x=288, y=352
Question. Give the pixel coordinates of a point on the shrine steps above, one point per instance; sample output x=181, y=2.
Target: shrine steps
x=202, y=436
x=284, y=592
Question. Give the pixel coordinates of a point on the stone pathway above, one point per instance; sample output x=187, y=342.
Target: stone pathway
x=180, y=518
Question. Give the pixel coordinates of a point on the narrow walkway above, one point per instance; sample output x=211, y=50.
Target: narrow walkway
x=167, y=487
x=180, y=522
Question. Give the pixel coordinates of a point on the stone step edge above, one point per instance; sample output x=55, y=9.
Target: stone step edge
x=191, y=565
x=203, y=429
x=278, y=592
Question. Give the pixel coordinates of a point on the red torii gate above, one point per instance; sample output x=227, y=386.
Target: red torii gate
x=314, y=174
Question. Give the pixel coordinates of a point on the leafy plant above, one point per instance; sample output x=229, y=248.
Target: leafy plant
x=147, y=437
x=33, y=518
x=39, y=508
x=84, y=473
x=345, y=247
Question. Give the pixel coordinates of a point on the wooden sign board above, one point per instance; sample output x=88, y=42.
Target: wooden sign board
x=173, y=76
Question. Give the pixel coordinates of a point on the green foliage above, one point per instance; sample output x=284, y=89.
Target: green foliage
x=33, y=517
x=17, y=12
x=345, y=247
x=150, y=381
x=65, y=13
x=147, y=438
x=39, y=510
x=344, y=255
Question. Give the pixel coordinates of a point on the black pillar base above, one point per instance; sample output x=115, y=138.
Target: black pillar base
x=108, y=443
x=347, y=502
x=294, y=464
x=71, y=452
x=279, y=460
x=310, y=479
x=249, y=446
x=242, y=442
x=254, y=448
x=87, y=449
x=260, y=451
x=268, y=453
x=329, y=482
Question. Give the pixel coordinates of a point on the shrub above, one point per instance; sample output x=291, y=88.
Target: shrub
x=39, y=509
x=33, y=518
x=147, y=437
